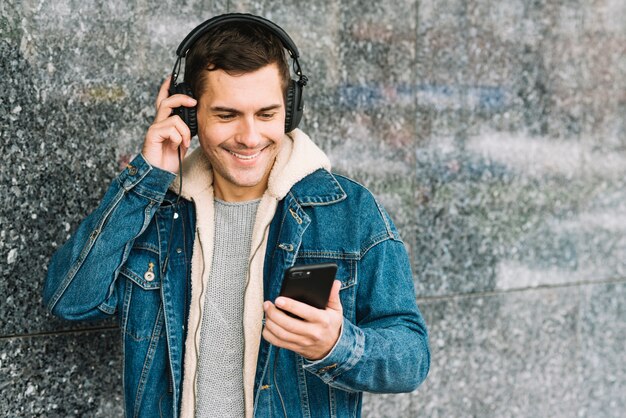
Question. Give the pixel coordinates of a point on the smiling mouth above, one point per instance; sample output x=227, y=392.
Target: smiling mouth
x=246, y=157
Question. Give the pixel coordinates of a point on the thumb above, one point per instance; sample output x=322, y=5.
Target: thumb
x=334, y=302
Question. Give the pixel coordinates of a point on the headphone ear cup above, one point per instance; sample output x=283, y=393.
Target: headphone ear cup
x=187, y=114
x=293, y=106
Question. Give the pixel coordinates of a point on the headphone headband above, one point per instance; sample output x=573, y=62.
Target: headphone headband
x=202, y=28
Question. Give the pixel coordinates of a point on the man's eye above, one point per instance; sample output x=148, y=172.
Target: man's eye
x=225, y=116
x=267, y=115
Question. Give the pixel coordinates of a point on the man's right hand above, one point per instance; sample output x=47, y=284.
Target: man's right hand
x=168, y=131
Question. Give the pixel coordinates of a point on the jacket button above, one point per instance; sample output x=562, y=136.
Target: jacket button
x=132, y=170
x=149, y=275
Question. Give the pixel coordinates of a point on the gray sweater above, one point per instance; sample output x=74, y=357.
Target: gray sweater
x=220, y=367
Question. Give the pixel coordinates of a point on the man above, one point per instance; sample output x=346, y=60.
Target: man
x=194, y=273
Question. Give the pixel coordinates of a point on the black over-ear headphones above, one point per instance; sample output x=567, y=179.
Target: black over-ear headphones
x=294, y=103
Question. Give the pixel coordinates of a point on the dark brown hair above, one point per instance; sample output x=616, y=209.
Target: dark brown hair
x=236, y=48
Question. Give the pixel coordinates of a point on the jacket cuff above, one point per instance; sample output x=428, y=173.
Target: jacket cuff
x=345, y=354
x=145, y=179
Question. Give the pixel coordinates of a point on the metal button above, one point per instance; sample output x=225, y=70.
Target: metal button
x=179, y=250
x=132, y=170
x=149, y=275
x=175, y=215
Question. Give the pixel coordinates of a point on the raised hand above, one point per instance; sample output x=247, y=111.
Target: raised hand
x=168, y=131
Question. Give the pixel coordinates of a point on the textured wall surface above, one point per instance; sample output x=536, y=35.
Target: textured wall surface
x=493, y=131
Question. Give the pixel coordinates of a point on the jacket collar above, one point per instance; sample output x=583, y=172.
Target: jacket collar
x=318, y=188
x=300, y=167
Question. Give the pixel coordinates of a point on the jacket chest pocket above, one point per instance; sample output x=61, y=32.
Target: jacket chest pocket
x=142, y=296
x=346, y=274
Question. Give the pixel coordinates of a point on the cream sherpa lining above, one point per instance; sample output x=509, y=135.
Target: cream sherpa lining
x=297, y=158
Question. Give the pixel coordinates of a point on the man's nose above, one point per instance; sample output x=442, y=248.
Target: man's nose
x=249, y=134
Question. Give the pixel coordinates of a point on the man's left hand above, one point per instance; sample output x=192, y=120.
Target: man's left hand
x=314, y=335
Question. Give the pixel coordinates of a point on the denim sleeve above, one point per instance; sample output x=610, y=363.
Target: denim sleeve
x=386, y=351
x=80, y=282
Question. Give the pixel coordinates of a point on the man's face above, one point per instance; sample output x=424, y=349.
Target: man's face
x=241, y=126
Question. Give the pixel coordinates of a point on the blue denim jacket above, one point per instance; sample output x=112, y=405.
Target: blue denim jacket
x=115, y=263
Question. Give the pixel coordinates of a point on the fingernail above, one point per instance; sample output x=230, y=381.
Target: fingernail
x=266, y=305
x=280, y=302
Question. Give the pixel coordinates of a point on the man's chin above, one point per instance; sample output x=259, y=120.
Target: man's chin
x=242, y=182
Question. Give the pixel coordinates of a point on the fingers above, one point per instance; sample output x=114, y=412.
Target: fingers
x=162, y=140
x=334, y=302
x=279, y=340
x=165, y=103
x=184, y=130
x=300, y=309
x=282, y=328
x=168, y=132
x=314, y=321
x=308, y=312
x=275, y=315
x=163, y=92
x=172, y=131
x=312, y=337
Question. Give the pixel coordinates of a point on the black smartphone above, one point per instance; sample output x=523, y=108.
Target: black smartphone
x=309, y=283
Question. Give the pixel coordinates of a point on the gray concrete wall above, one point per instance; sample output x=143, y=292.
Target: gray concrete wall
x=493, y=131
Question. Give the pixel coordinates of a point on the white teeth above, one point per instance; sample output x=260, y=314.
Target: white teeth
x=245, y=157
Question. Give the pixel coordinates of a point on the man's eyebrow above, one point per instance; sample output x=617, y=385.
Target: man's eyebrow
x=271, y=107
x=218, y=109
